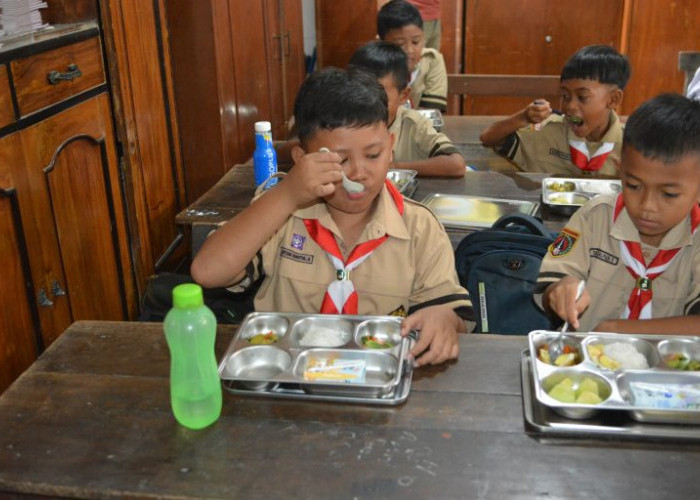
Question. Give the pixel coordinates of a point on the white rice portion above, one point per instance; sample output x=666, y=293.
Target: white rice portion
x=323, y=337
x=625, y=354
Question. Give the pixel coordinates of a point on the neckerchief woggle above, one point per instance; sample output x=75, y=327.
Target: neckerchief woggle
x=341, y=296
x=639, y=302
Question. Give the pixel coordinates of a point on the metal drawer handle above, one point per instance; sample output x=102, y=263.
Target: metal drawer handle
x=73, y=72
x=56, y=289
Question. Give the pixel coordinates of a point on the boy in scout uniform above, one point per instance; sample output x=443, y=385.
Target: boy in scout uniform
x=638, y=251
x=399, y=22
x=322, y=248
x=417, y=145
x=587, y=139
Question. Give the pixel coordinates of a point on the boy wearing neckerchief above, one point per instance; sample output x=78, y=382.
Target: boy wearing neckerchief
x=322, y=248
x=587, y=140
x=639, y=251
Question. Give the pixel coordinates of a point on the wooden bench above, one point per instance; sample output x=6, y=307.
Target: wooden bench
x=502, y=85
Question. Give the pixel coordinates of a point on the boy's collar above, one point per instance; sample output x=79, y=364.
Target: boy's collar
x=679, y=236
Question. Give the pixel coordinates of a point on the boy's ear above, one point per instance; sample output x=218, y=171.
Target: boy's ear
x=297, y=154
x=403, y=95
x=615, y=98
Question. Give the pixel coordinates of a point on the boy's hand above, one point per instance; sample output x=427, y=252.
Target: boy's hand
x=438, y=341
x=313, y=176
x=560, y=298
x=537, y=111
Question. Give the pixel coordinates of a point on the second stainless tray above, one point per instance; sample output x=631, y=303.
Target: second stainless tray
x=464, y=211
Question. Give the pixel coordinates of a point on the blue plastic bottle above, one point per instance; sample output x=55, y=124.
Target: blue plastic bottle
x=264, y=157
x=190, y=330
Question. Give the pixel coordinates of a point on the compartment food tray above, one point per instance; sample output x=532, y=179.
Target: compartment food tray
x=319, y=357
x=544, y=423
x=570, y=193
x=659, y=393
x=402, y=179
x=435, y=116
x=464, y=211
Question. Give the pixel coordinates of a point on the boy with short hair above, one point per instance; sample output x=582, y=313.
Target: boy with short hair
x=417, y=145
x=324, y=249
x=399, y=22
x=587, y=140
x=639, y=251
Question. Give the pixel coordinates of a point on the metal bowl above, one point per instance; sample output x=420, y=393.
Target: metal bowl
x=322, y=332
x=576, y=410
x=386, y=332
x=647, y=349
x=254, y=366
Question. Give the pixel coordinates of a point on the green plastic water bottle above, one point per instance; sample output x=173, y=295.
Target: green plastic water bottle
x=190, y=330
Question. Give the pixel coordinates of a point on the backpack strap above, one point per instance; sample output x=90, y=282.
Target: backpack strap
x=531, y=223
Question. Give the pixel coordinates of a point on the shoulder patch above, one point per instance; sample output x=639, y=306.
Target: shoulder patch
x=564, y=243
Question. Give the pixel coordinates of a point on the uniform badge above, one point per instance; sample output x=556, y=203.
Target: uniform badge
x=563, y=243
x=298, y=241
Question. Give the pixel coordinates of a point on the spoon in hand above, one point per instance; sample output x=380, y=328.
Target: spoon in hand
x=556, y=348
x=350, y=186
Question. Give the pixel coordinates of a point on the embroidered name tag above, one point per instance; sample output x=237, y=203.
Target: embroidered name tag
x=296, y=257
x=597, y=253
x=564, y=155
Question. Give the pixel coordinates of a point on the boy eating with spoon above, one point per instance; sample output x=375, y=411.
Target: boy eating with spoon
x=639, y=251
x=587, y=140
x=324, y=249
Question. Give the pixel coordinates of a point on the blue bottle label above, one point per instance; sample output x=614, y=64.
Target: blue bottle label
x=264, y=159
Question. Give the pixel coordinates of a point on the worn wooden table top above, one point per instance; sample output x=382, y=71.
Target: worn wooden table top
x=91, y=418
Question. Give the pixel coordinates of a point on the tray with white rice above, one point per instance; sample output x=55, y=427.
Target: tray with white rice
x=652, y=378
x=319, y=357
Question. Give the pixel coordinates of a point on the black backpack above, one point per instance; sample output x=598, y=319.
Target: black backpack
x=499, y=267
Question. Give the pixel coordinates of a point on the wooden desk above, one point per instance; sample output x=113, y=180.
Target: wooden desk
x=91, y=418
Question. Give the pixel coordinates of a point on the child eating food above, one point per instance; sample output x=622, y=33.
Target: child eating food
x=587, y=139
x=324, y=249
x=639, y=251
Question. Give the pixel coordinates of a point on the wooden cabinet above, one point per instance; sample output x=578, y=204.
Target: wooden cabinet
x=234, y=63
x=67, y=256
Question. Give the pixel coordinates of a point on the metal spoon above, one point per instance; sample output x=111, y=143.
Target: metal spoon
x=349, y=185
x=556, y=348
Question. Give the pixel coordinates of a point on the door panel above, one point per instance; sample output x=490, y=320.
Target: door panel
x=78, y=183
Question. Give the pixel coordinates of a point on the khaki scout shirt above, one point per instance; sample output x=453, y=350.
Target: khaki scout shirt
x=416, y=139
x=429, y=87
x=547, y=149
x=589, y=248
x=413, y=267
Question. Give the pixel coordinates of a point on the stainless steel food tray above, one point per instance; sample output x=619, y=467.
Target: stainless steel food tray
x=319, y=357
x=659, y=393
x=568, y=194
x=542, y=422
x=402, y=179
x=464, y=211
x=435, y=116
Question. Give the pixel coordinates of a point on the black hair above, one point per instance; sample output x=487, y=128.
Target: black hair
x=333, y=98
x=665, y=128
x=395, y=15
x=598, y=62
x=382, y=59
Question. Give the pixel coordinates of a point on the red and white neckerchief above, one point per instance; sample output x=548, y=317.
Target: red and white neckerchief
x=639, y=302
x=581, y=157
x=341, y=297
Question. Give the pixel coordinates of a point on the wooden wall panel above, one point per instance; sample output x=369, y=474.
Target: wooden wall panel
x=341, y=27
x=658, y=31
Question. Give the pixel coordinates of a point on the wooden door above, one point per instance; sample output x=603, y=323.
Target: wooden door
x=19, y=340
x=657, y=32
x=342, y=26
x=532, y=37
x=77, y=236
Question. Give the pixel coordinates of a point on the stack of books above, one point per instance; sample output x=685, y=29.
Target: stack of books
x=18, y=17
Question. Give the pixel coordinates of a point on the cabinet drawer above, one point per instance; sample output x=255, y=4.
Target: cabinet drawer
x=50, y=77
x=7, y=115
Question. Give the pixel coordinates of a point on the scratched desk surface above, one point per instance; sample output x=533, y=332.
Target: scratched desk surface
x=91, y=418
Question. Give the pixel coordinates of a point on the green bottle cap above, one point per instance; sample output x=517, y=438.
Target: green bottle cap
x=187, y=295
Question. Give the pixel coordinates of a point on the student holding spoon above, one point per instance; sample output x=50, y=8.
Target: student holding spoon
x=585, y=136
